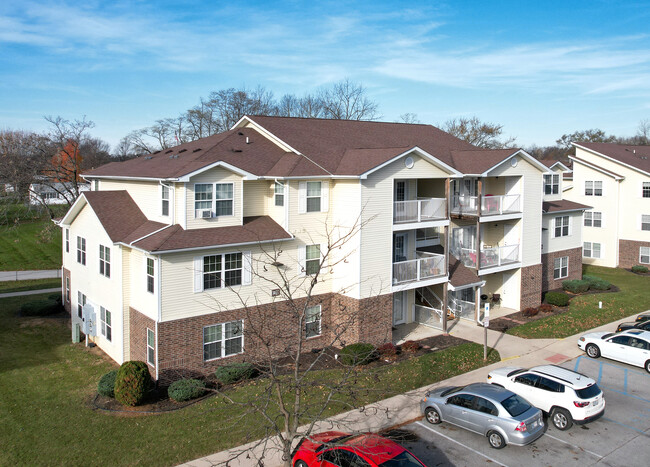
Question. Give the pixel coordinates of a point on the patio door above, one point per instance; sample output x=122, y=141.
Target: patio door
x=399, y=307
x=400, y=244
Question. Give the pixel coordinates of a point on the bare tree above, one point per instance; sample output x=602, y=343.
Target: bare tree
x=478, y=133
x=19, y=160
x=643, y=132
x=594, y=135
x=409, y=118
x=347, y=100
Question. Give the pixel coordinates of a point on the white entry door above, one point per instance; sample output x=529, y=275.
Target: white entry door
x=399, y=307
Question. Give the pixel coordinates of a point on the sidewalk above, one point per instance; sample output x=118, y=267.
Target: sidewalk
x=29, y=292
x=28, y=275
x=514, y=351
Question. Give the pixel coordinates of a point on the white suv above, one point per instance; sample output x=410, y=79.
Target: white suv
x=565, y=395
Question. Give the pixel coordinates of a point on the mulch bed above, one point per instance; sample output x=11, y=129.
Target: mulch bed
x=158, y=402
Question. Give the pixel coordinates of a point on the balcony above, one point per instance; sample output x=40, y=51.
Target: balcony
x=491, y=257
x=425, y=266
x=463, y=205
x=419, y=210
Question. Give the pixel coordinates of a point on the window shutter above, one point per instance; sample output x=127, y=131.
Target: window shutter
x=198, y=274
x=324, y=196
x=272, y=198
x=302, y=256
x=302, y=197
x=247, y=268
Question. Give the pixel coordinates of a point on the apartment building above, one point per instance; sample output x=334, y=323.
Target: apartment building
x=182, y=252
x=614, y=179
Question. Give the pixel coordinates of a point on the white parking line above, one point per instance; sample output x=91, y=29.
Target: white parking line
x=457, y=442
x=573, y=445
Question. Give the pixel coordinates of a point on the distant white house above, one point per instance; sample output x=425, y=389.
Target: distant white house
x=51, y=194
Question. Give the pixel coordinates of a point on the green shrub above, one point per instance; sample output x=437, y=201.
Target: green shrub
x=639, y=268
x=40, y=308
x=575, y=286
x=234, y=372
x=596, y=283
x=106, y=386
x=358, y=354
x=557, y=298
x=132, y=383
x=186, y=389
x=410, y=346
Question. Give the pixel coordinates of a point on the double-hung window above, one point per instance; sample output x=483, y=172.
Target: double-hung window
x=202, y=198
x=644, y=255
x=81, y=250
x=593, y=219
x=67, y=289
x=551, y=184
x=151, y=347
x=105, y=323
x=67, y=240
x=150, y=275
x=278, y=193
x=223, y=270
x=81, y=301
x=593, y=188
x=216, y=198
x=224, y=199
x=560, y=267
x=591, y=250
x=645, y=190
x=313, y=196
x=312, y=259
x=562, y=226
x=312, y=321
x=222, y=340
x=645, y=222
x=164, y=194
x=104, y=261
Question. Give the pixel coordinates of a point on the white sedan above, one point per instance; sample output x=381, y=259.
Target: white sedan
x=632, y=347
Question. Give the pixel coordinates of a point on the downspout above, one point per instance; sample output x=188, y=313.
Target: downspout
x=618, y=210
x=159, y=300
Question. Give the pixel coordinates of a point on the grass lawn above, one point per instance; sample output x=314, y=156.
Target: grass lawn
x=36, y=284
x=30, y=245
x=47, y=384
x=583, y=314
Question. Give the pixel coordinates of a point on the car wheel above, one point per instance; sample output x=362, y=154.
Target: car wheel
x=432, y=416
x=496, y=440
x=593, y=351
x=300, y=464
x=647, y=366
x=561, y=419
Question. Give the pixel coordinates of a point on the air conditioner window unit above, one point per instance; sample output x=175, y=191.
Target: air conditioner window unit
x=205, y=213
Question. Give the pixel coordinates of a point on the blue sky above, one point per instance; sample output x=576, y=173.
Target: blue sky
x=541, y=69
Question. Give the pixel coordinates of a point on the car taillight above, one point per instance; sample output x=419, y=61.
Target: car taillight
x=580, y=404
x=582, y=339
x=521, y=427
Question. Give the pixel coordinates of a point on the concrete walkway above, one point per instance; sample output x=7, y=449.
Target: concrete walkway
x=29, y=275
x=29, y=292
x=397, y=410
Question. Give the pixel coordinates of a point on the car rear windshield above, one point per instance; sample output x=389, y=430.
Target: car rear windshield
x=515, y=405
x=404, y=459
x=588, y=392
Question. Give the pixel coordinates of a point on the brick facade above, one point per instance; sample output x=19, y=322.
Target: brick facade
x=531, y=286
x=628, y=253
x=548, y=265
x=268, y=329
x=138, y=324
x=67, y=293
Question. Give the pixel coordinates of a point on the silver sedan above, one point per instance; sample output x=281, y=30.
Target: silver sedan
x=492, y=411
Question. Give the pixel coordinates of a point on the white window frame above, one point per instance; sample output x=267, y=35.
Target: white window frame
x=105, y=322
x=551, y=181
x=304, y=262
x=200, y=272
x=81, y=250
x=67, y=240
x=67, y=289
x=644, y=254
x=562, y=226
x=105, y=261
x=278, y=194
x=591, y=218
x=222, y=341
x=591, y=249
x=164, y=198
x=213, y=200
x=150, y=271
x=151, y=347
x=81, y=301
x=313, y=314
x=590, y=185
x=302, y=196
x=645, y=189
x=558, y=268
x=645, y=222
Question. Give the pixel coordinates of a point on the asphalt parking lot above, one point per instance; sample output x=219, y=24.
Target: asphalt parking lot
x=620, y=438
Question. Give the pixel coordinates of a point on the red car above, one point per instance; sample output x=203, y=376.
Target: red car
x=336, y=449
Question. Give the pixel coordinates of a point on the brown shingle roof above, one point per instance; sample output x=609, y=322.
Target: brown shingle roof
x=254, y=229
x=635, y=156
x=562, y=205
x=476, y=161
x=459, y=274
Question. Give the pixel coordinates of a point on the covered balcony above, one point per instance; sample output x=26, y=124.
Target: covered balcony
x=419, y=210
x=425, y=266
x=485, y=197
x=419, y=201
x=490, y=256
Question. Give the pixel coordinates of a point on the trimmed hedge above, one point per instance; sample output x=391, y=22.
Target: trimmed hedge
x=186, y=389
x=557, y=298
x=234, y=372
x=106, y=385
x=596, y=283
x=359, y=353
x=40, y=308
x=575, y=286
x=639, y=268
x=132, y=383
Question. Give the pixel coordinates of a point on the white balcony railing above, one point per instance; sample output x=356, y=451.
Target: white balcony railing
x=462, y=204
x=419, y=210
x=462, y=309
x=499, y=256
x=426, y=266
x=503, y=204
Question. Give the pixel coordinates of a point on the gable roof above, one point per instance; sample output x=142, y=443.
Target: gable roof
x=550, y=163
x=597, y=168
x=563, y=205
x=637, y=157
x=460, y=276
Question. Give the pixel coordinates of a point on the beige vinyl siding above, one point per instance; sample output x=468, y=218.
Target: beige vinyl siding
x=530, y=187
x=493, y=233
x=99, y=290
x=147, y=196
x=574, y=240
x=143, y=301
x=215, y=175
x=180, y=204
x=377, y=236
x=126, y=300
x=257, y=198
